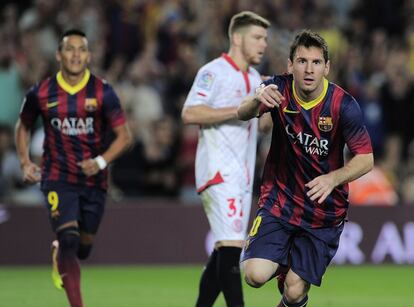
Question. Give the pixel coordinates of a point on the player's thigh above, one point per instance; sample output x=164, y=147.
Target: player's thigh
x=226, y=211
x=269, y=238
x=92, y=208
x=62, y=203
x=312, y=251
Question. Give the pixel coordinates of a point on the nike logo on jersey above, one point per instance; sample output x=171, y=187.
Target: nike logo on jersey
x=285, y=109
x=52, y=104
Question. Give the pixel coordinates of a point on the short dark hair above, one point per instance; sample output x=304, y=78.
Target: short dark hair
x=68, y=33
x=308, y=38
x=246, y=18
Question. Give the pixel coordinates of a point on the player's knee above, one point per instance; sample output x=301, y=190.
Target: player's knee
x=68, y=239
x=255, y=279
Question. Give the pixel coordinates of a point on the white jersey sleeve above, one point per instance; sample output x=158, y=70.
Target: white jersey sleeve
x=205, y=85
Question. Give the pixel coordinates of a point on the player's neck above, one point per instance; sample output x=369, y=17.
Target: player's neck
x=238, y=58
x=72, y=79
x=309, y=96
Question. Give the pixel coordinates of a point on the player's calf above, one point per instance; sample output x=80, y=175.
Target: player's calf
x=85, y=245
x=84, y=251
x=280, y=274
x=296, y=290
x=229, y=275
x=69, y=265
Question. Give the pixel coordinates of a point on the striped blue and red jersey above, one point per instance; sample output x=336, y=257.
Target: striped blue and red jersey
x=308, y=140
x=76, y=121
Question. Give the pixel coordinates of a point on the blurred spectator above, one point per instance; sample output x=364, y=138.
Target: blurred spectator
x=150, y=169
x=41, y=18
x=10, y=174
x=186, y=165
x=372, y=189
x=139, y=94
x=151, y=49
x=83, y=14
x=407, y=185
x=373, y=115
x=10, y=86
x=397, y=96
x=125, y=38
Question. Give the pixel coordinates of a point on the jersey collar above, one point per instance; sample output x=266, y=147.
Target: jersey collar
x=76, y=88
x=231, y=62
x=310, y=104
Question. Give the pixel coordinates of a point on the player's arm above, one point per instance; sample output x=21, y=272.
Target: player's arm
x=358, y=141
x=31, y=171
x=122, y=141
x=205, y=115
x=266, y=95
x=322, y=186
x=265, y=123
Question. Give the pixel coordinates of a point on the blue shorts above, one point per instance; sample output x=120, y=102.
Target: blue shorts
x=66, y=202
x=307, y=251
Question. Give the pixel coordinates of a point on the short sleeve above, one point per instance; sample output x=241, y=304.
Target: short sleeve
x=203, y=89
x=112, y=107
x=30, y=109
x=354, y=131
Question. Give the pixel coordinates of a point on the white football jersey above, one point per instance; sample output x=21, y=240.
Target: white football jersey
x=227, y=151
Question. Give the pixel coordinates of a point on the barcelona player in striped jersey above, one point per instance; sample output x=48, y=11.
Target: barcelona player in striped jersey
x=77, y=109
x=304, y=193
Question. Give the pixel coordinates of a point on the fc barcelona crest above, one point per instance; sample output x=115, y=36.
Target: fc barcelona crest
x=91, y=104
x=325, y=123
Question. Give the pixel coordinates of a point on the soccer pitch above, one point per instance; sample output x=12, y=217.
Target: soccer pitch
x=176, y=286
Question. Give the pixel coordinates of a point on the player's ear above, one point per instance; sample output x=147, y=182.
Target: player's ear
x=88, y=59
x=237, y=38
x=327, y=67
x=58, y=56
x=289, y=66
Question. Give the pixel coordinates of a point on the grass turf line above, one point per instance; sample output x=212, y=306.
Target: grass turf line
x=176, y=286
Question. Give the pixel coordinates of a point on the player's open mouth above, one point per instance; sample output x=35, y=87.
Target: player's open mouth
x=308, y=81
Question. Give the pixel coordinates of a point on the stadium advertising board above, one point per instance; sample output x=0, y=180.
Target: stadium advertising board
x=173, y=233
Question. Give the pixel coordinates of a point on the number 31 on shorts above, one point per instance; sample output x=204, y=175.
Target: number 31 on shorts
x=256, y=223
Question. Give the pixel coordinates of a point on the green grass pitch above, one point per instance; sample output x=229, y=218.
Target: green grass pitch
x=176, y=286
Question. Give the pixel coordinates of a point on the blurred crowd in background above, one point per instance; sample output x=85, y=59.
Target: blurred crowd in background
x=150, y=51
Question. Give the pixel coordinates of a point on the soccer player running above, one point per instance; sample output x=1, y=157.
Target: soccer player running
x=226, y=152
x=77, y=109
x=304, y=193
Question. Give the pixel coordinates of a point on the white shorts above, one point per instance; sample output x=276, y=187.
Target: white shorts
x=227, y=209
